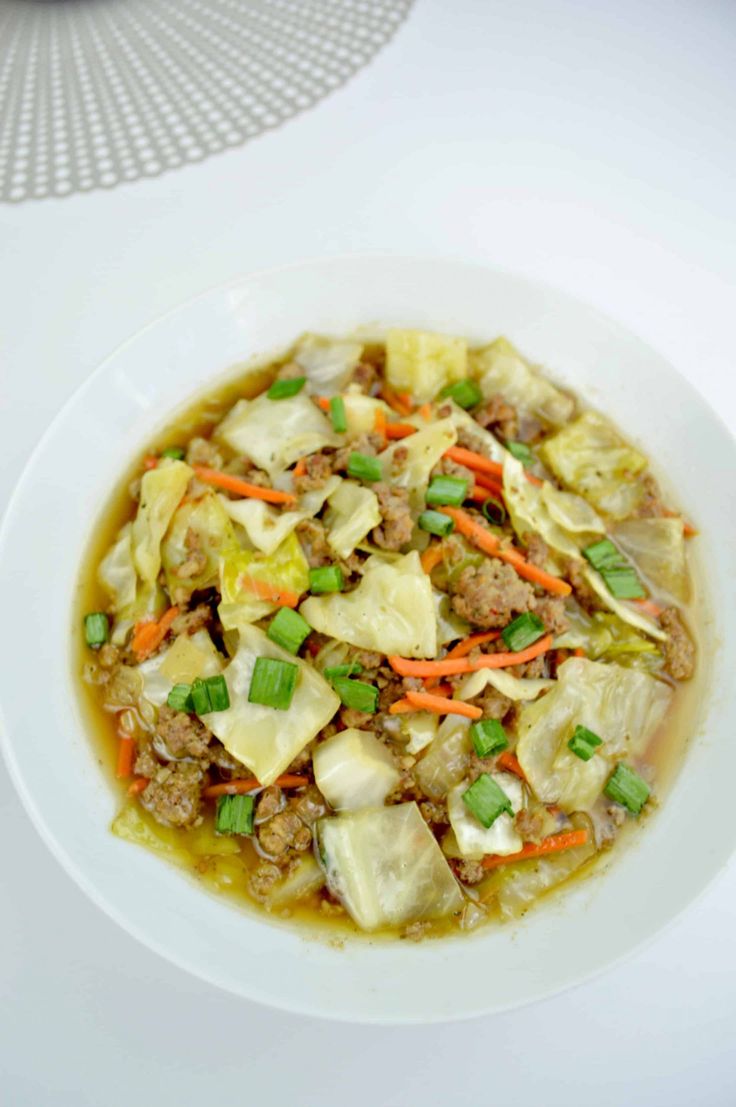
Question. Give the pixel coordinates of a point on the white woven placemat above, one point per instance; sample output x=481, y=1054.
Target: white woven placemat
x=95, y=92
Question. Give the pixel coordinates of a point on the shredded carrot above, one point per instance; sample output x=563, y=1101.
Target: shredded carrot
x=489, y=484
x=323, y=402
x=509, y=762
x=243, y=487
x=250, y=784
x=425, y=411
x=579, y=652
x=126, y=757
x=282, y=596
x=399, y=430
x=379, y=423
x=138, y=785
x=150, y=462
x=688, y=529
x=649, y=607
x=454, y=666
x=478, y=494
x=471, y=460
x=399, y=401
x=462, y=649
x=490, y=544
x=432, y=557
x=300, y=468
x=149, y=635
x=554, y=844
x=439, y=705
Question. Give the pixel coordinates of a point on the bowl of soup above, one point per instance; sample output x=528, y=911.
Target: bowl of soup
x=379, y=639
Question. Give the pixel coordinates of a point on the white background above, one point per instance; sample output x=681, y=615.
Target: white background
x=586, y=142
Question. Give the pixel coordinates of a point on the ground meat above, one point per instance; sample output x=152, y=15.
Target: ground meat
x=499, y=417
x=537, y=551
x=489, y=595
x=446, y=467
x=390, y=688
x=493, y=704
x=201, y=451
x=530, y=670
x=331, y=907
x=469, y=872
x=263, y=878
x=368, y=444
x=301, y=761
x=183, y=735
x=551, y=610
x=679, y=649
x=584, y=594
x=309, y=806
x=146, y=763
x=283, y=832
x=188, y=622
x=123, y=687
x=352, y=718
x=369, y=659
x=172, y=795
x=196, y=562
x=317, y=471
x=365, y=376
x=398, y=525
x=650, y=506
x=533, y=824
x=416, y=931
x=225, y=762
x=108, y=656
x=313, y=538
x=252, y=473
x=434, y=813
x=269, y=803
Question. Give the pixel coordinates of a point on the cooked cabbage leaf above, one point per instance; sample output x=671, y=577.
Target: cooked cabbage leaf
x=605, y=637
x=116, y=572
x=266, y=526
x=386, y=867
x=186, y=659
x=361, y=412
x=657, y=547
x=161, y=491
x=500, y=369
x=475, y=436
x=328, y=363
x=200, y=527
x=265, y=739
x=352, y=512
x=590, y=457
x=446, y=761
x=475, y=840
x=353, y=769
x=408, y=462
x=419, y=728
x=391, y=610
x=423, y=363
x=622, y=706
x=529, y=512
x=275, y=433
x=516, y=688
x=449, y=625
x=625, y=611
x=133, y=824
x=250, y=582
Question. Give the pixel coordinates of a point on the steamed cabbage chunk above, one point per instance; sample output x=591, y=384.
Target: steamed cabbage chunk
x=352, y=512
x=391, y=610
x=199, y=527
x=116, y=572
x=161, y=491
x=354, y=769
x=423, y=363
x=361, y=412
x=250, y=582
x=516, y=688
x=328, y=363
x=625, y=611
x=450, y=626
x=657, y=547
x=622, y=706
x=265, y=739
x=531, y=508
x=275, y=433
x=189, y=657
x=266, y=526
x=475, y=840
x=419, y=728
x=500, y=368
x=386, y=867
x=446, y=761
x=475, y=436
x=590, y=457
x=133, y=824
x=409, y=462
x=605, y=637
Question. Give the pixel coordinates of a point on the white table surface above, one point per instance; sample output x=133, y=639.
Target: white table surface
x=590, y=144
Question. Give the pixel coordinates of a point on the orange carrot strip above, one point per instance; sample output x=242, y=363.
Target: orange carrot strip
x=401, y=707
x=689, y=530
x=282, y=596
x=242, y=487
x=300, y=468
x=490, y=544
x=250, y=784
x=432, y=557
x=554, y=844
x=138, y=785
x=441, y=705
x=478, y=494
x=150, y=462
x=379, y=423
x=649, y=607
x=509, y=762
x=453, y=666
x=425, y=411
x=579, y=652
x=471, y=460
x=323, y=402
x=149, y=635
x=399, y=401
x=126, y=757
x=461, y=649
x=399, y=430
x=489, y=483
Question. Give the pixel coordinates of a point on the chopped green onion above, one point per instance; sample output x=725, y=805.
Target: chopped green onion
x=273, y=683
x=524, y=630
x=337, y=414
x=328, y=578
x=200, y=693
x=363, y=467
x=288, y=629
x=176, y=452
x=235, y=814
x=487, y=800
x=583, y=743
x=625, y=786
x=617, y=571
x=218, y=693
x=488, y=737
x=352, y=668
x=434, y=522
x=96, y=629
x=465, y=393
x=494, y=511
x=180, y=697
x=357, y=694
x=521, y=452
x=447, y=490
x=282, y=390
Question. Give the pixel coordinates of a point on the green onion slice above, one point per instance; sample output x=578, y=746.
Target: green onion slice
x=282, y=390
x=180, y=698
x=288, y=629
x=488, y=737
x=235, y=814
x=357, y=694
x=524, y=630
x=351, y=668
x=200, y=694
x=218, y=694
x=494, y=511
x=487, y=800
x=626, y=787
x=273, y=682
x=434, y=522
x=617, y=571
x=328, y=578
x=447, y=490
x=521, y=452
x=96, y=629
x=584, y=743
x=337, y=414
x=363, y=467
x=175, y=452
x=465, y=393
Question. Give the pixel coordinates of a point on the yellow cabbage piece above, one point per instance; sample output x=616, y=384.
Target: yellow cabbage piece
x=353, y=769
x=500, y=369
x=657, y=547
x=446, y=761
x=275, y=433
x=133, y=824
x=266, y=526
x=266, y=739
x=306, y=877
x=475, y=840
x=206, y=520
x=450, y=626
x=409, y=462
x=591, y=457
x=423, y=363
x=529, y=512
x=391, y=610
x=516, y=688
x=116, y=572
x=188, y=658
x=475, y=436
x=352, y=512
x=625, y=611
x=328, y=363
x=361, y=411
x=605, y=637
x=161, y=491
x=386, y=867
x=250, y=580
x=622, y=706
x=418, y=728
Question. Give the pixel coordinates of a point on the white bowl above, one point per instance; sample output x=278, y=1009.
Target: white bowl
x=664, y=867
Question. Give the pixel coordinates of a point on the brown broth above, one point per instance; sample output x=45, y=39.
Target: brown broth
x=228, y=876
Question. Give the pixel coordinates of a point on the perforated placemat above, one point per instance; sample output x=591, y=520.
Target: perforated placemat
x=95, y=92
